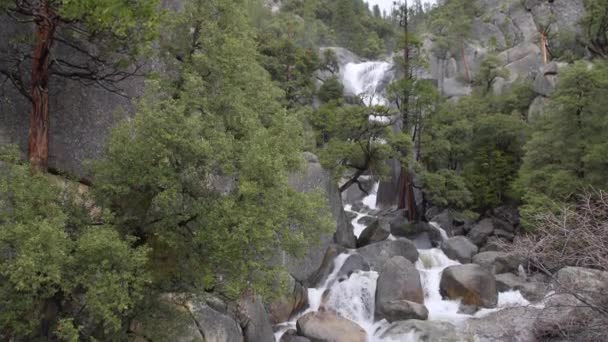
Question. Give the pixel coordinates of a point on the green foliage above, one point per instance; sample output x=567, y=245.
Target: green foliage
x=595, y=27
x=351, y=144
x=200, y=173
x=289, y=57
x=567, y=150
x=331, y=89
x=489, y=70
x=450, y=23
x=446, y=188
x=55, y=274
x=352, y=24
x=480, y=139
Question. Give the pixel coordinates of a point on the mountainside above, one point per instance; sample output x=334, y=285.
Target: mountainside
x=303, y=170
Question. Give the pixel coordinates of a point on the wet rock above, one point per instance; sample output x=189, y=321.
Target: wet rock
x=310, y=178
x=326, y=268
x=328, y=326
x=378, y=231
x=366, y=220
x=292, y=336
x=424, y=331
x=215, y=326
x=514, y=324
x=354, y=193
x=350, y=215
x=415, y=230
x=397, y=310
x=481, y=231
x=399, y=294
x=471, y=283
x=355, y=262
x=378, y=253
x=499, y=262
x=254, y=320
x=532, y=291
x=459, y=248
x=281, y=309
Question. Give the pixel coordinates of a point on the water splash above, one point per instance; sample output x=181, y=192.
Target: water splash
x=366, y=79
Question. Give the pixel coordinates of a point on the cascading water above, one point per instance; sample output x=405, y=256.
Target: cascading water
x=366, y=79
x=354, y=297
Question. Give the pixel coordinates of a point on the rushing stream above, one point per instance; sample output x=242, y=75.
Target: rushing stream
x=353, y=298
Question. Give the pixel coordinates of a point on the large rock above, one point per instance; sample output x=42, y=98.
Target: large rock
x=499, y=262
x=378, y=231
x=459, y=248
x=319, y=277
x=378, y=253
x=291, y=336
x=530, y=290
x=481, y=231
x=471, y=283
x=296, y=299
x=312, y=177
x=215, y=326
x=328, y=326
x=565, y=315
x=254, y=320
x=514, y=324
x=590, y=284
x=354, y=193
x=422, y=331
x=399, y=294
x=355, y=262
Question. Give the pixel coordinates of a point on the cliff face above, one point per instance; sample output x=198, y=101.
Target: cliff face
x=512, y=30
x=81, y=116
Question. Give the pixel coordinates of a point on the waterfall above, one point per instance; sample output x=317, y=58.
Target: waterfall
x=367, y=80
x=354, y=297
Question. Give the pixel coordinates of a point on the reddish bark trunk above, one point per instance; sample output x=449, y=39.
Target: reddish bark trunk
x=406, y=194
x=543, y=43
x=38, y=136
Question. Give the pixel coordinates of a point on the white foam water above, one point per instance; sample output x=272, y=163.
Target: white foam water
x=364, y=79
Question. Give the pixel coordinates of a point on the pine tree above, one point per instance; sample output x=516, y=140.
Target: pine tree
x=101, y=37
x=568, y=148
x=199, y=175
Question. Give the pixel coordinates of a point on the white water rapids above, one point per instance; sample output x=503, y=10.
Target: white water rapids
x=353, y=298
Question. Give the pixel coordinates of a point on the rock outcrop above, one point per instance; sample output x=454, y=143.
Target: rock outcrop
x=499, y=262
x=471, y=283
x=459, y=248
x=329, y=326
x=312, y=177
x=378, y=253
x=399, y=294
x=422, y=331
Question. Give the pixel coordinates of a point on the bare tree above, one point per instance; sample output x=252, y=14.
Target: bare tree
x=574, y=235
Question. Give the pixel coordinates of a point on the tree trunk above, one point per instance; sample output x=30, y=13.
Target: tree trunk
x=406, y=195
x=543, y=43
x=38, y=136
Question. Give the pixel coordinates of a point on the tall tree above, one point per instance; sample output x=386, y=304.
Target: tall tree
x=568, y=148
x=200, y=174
x=98, y=40
x=451, y=25
x=595, y=26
